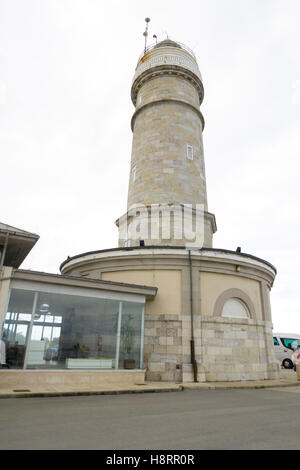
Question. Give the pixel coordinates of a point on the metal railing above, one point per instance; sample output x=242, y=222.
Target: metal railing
x=152, y=46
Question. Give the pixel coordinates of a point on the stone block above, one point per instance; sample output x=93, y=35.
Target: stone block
x=219, y=334
x=155, y=357
x=171, y=332
x=162, y=340
x=168, y=376
x=225, y=351
x=187, y=377
x=170, y=366
x=212, y=350
x=153, y=376
x=148, y=349
x=174, y=349
x=240, y=334
x=221, y=377
x=211, y=376
x=160, y=349
x=208, y=333
x=187, y=367
x=177, y=341
x=152, y=340
x=156, y=366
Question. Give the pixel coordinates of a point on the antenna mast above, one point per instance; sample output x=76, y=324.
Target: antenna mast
x=145, y=33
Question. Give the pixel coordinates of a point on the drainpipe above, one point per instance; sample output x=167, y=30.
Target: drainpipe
x=193, y=360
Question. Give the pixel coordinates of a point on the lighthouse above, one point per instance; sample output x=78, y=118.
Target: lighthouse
x=167, y=171
x=211, y=318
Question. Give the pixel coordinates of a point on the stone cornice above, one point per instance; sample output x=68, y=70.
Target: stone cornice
x=168, y=70
x=206, y=259
x=207, y=215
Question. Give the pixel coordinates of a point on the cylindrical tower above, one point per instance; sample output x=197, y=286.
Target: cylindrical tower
x=167, y=161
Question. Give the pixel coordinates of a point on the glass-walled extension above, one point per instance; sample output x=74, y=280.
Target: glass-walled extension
x=72, y=330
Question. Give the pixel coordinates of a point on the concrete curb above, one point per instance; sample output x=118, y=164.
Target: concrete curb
x=178, y=388
x=246, y=386
x=87, y=393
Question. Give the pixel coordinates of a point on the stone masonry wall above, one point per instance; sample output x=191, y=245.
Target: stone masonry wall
x=235, y=349
x=163, y=347
x=168, y=87
x=226, y=349
x=163, y=173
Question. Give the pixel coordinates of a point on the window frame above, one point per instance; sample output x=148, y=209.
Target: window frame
x=133, y=173
x=189, y=152
x=242, y=303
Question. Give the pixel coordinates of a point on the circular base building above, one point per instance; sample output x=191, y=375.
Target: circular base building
x=211, y=317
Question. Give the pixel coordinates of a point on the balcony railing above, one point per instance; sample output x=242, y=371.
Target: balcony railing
x=152, y=46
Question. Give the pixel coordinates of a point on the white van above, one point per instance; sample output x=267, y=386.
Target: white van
x=283, y=349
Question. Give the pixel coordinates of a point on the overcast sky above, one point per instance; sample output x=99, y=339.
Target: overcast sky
x=66, y=68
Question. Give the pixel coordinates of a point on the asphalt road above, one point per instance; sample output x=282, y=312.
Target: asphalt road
x=200, y=419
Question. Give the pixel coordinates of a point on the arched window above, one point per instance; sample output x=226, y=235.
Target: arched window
x=235, y=308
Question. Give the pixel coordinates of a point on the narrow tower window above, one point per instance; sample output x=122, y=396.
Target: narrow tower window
x=133, y=172
x=189, y=152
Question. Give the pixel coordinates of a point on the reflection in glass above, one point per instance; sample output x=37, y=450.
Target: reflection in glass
x=130, y=335
x=71, y=331
x=15, y=327
x=21, y=332
x=36, y=333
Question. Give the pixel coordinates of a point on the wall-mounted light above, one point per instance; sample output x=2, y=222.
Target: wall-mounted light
x=44, y=308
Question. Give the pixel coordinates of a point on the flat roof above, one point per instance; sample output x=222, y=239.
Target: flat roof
x=131, y=248
x=79, y=281
x=16, y=231
x=17, y=243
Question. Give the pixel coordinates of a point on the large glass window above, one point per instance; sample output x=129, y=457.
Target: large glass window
x=131, y=326
x=46, y=330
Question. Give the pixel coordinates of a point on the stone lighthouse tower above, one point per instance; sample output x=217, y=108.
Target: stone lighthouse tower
x=167, y=162
x=211, y=318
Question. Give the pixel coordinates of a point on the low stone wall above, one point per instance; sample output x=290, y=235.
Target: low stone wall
x=80, y=378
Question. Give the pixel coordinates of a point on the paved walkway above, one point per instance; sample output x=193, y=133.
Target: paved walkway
x=288, y=379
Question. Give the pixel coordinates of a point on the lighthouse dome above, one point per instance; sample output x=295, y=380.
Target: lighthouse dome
x=167, y=42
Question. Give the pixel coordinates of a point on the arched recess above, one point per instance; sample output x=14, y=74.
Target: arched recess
x=237, y=294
